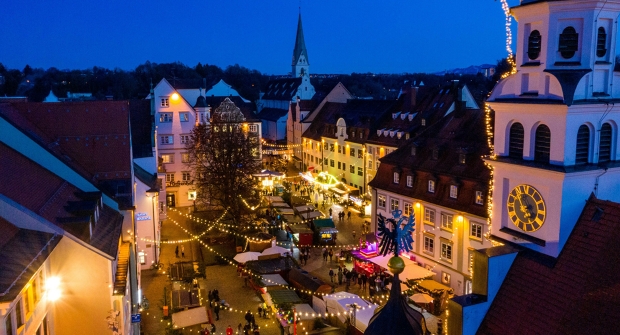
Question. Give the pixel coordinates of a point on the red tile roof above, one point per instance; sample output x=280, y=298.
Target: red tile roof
x=580, y=294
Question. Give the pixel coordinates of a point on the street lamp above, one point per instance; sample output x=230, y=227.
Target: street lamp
x=153, y=193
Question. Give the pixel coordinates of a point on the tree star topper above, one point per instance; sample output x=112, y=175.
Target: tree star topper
x=396, y=236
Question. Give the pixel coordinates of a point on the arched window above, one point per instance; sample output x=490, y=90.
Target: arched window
x=515, y=146
x=569, y=42
x=542, y=144
x=534, y=45
x=583, y=145
x=604, y=151
x=601, y=42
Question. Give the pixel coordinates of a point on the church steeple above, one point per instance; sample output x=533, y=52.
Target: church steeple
x=300, y=54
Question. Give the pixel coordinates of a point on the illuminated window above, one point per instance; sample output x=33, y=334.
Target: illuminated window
x=360, y=153
x=408, y=209
x=446, y=221
x=360, y=171
x=429, y=244
x=446, y=250
x=331, y=147
x=394, y=204
x=142, y=257
x=409, y=181
x=454, y=190
x=479, y=198
x=476, y=230
x=431, y=186
x=184, y=117
x=461, y=158
x=423, y=122
x=165, y=102
x=429, y=216
x=167, y=158
x=166, y=139
x=165, y=117
x=352, y=169
x=381, y=201
x=352, y=152
x=413, y=150
x=253, y=128
x=331, y=162
x=396, y=177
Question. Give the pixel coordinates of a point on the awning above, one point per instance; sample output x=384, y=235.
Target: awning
x=328, y=230
x=190, y=317
x=412, y=270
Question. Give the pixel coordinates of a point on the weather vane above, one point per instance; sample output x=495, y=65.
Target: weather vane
x=397, y=238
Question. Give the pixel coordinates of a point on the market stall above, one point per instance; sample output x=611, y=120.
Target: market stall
x=304, y=281
x=303, y=234
x=325, y=231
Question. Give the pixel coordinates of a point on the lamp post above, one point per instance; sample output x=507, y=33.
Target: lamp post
x=153, y=193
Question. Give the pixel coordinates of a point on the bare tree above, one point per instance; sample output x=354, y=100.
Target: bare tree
x=223, y=156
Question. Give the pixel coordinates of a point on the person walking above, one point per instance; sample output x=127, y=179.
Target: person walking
x=324, y=254
x=331, y=274
x=182, y=251
x=248, y=316
x=364, y=281
x=339, y=275
x=349, y=215
x=216, y=310
x=239, y=329
x=331, y=255
x=229, y=330
x=176, y=251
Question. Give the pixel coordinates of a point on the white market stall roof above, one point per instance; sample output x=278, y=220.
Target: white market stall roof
x=304, y=312
x=337, y=303
x=273, y=280
x=311, y=215
x=303, y=209
x=272, y=198
x=412, y=270
x=190, y=317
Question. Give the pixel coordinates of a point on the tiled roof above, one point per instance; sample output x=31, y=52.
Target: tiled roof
x=48, y=195
x=455, y=134
x=272, y=114
x=86, y=134
x=308, y=105
x=141, y=128
x=580, y=294
x=282, y=89
x=22, y=252
x=246, y=108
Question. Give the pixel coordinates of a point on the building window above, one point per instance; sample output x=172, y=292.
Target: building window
x=515, y=146
x=253, y=128
x=394, y=204
x=605, y=143
x=186, y=176
x=352, y=152
x=378, y=163
x=165, y=117
x=446, y=221
x=601, y=42
x=325, y=161
x=371, y=150
x=381, y=201
x=165, y=102
x=184, y=139
x=409, y=181
x=429, y=244
x=435, y=154
x=408, y=208
x=370, y=165
x=352, y=169
x=331, y=147
x=423, y=122
x=169, y=177
x=582, y=151
x=344, y=167
x=429, y=216
x=19, y=320
x=431, y=186
x=339, y=165
x=396, y=178
x=533, y=45
x=479, y=198
x=360, y=171
x=167, y=158
x=476, y=231
x=166, y=139
x=454, y=190
x=361, y=134
x=414, y=149
x=352, y=133
x=569, y=42
x=446, y=251
x=542, y=146
x=142, y=257
x=461, y=158
x=184, y=117
x=331, y=162
x=184, y=157
x=360, y=153
x=340, y=148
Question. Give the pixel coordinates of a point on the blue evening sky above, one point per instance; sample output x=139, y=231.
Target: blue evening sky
x=342, y=36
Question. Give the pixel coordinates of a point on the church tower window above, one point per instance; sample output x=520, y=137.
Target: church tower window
x=515, y=148
x=569, y=42
x=542, y=144
x=583, y=145
x=605, y=144
x=533, y=45
x=601, y=42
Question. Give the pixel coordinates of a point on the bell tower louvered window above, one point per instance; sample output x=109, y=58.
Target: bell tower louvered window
x=542, y=146
x=601, y=42
x=583, y=145
x=515, y=149
x=533, y=45
x=605, y=144
x=569, y=42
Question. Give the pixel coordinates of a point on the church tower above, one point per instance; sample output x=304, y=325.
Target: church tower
x=556, y=123
x=301, y=66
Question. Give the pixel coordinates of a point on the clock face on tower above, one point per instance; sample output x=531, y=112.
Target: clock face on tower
x=526, y=208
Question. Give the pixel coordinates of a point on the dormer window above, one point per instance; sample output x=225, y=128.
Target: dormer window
x=353, y=133
x=435, y=154
x=423, y=122
x=413, y=150
x=454, y=191
x=601, y=42
x=533, y=45
x=569, y=42
x=396, y=177
x=407, y=136
x=461, y=158
x=361, y=134
x=431, y=186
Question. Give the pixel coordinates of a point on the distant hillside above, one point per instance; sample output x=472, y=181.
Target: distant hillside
x=470, y=70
